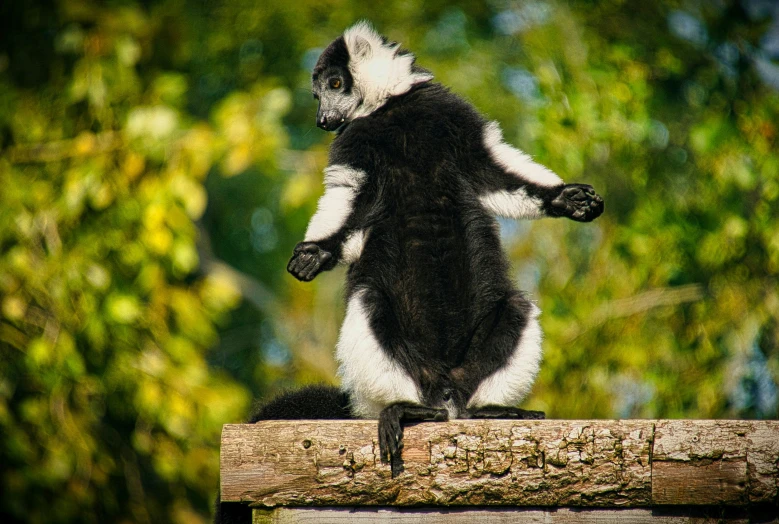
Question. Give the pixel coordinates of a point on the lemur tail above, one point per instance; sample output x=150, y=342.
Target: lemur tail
x=311, y=402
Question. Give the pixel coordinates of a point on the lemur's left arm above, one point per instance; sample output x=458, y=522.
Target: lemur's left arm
x=336, y=231
x=513, y=186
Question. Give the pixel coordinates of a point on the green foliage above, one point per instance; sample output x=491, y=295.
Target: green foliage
x=160, y=160
x=108, y=407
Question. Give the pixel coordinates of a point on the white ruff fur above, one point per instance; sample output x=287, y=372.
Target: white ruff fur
x=377, y=70
x=352, y=248
x=509, y=385
x=373, y=380
x=341, y=186
x=512, y=204
x=515, y=161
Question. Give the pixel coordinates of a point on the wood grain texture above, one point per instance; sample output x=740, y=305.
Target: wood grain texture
x=389, y=515
x=732, y=462
x=596, y=463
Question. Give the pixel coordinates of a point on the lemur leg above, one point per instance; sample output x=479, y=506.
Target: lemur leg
x=503, y=361
x=374, y=363
x=391, y=421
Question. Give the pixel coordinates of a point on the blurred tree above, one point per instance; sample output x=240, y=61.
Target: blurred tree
x=108, y=409
x=160, y=160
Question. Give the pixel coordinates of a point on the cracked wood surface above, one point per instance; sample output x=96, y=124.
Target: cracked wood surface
x=595, y=463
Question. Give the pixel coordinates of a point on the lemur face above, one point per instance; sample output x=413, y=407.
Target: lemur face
x=357, y=74
x=333, y=86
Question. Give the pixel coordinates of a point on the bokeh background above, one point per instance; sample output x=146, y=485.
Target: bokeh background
x=159, y=162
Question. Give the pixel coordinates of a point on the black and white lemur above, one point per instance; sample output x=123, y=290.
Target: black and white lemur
x=434, y=327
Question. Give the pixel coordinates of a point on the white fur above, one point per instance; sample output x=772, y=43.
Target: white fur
x=341, y=186
x=367, y=373
x=352, y=248
x=509, y=385
x=515, y=161
x=377, y=70
x=343, y=175
x=512, y=204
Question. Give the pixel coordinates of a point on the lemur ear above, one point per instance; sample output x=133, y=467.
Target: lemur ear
x=362, y=48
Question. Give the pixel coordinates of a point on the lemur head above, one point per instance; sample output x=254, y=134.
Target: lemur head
x=358, y=72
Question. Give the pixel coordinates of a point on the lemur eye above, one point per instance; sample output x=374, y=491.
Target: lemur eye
x=335, y=83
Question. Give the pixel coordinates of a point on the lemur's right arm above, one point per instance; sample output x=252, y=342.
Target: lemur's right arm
x=510, y=184
x=336, y=231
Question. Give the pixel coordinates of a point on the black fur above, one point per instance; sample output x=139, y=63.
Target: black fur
x=311, y=402
x=333, y=65
x=335, y=56
x=441, y=303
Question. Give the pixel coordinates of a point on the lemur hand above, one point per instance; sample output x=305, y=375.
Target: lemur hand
x=307, y=261
x=391, y=421
x=578, y=202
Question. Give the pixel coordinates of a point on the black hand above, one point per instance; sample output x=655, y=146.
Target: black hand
x=391, y=421
x=307, y=261
x=578, y=202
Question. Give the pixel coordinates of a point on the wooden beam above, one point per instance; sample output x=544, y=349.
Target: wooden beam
x=498, y=515
x=595, y=463
x=728, y=462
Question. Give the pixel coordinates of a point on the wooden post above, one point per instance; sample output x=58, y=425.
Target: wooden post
x=640, y=465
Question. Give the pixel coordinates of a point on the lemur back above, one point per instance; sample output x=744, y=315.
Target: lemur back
x=433, y=253
x=434, y=328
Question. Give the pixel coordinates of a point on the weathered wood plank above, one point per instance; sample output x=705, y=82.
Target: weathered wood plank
x=763, y=463
x=387, y=515
x=501, y=462
x=700, y=462
x=497, y=462
x=731, y=462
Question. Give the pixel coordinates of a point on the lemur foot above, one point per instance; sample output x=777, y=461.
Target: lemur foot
x=307, y=261
x=578, y=202
x=391, y=419
x=506, y=412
